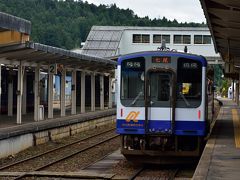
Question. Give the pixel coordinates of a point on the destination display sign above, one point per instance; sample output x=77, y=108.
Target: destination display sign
x=159, y=59
x=188, y=65
x=133, y=64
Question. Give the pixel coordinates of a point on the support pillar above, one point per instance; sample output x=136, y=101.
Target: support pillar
x=36, y=93
x=101, y=92
x=73, y=109
x=110, y=93
x=10, y=93
x=50, y=93
x=20, y=93
x=63, y=98
x=0, y=88
x=233, y=90
x=237, y=92
x=83, y=92
x=93, y=92
x=24, y=97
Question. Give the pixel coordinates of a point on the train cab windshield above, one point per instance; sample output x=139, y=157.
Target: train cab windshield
x=132, y=82
x=189, y=86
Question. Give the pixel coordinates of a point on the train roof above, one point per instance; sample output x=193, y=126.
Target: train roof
x=163, y=53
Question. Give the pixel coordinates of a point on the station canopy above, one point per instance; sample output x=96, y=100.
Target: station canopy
x=9, y=22
x=31, y=54
x=223, y=18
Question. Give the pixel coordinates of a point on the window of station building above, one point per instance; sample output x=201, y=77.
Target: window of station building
x=177, y=39
x=197, y=39
x=141, y=38
x=186, y=39
x=182, y=39
x=145, y=38
x=207, y=39
x=137, y=38
x=158, y=38
x=166, y=38
x=202, y=39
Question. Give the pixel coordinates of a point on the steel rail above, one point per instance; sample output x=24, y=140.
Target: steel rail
x=52, y=150
x=68, y=156
x=173, y=174
x=136, y=173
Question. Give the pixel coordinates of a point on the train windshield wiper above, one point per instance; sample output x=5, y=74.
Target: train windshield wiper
x=136, y=98
x=184, y=99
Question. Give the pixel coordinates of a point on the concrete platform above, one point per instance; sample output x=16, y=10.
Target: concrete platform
x=14, y=139
x=9, y=129
x=221, y=156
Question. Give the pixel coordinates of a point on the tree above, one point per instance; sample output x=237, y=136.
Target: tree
x=66, y=23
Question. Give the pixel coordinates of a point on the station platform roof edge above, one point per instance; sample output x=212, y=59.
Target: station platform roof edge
x=36, y=53
x=223, y=20
x=10, y=22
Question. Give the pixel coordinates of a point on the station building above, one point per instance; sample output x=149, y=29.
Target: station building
x=113, y=41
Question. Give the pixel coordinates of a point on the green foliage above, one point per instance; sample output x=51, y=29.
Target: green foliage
x=218, y=75
x=226, y=83
x=66, y=23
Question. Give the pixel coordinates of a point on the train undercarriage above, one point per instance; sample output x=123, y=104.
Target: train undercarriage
x=161, y=149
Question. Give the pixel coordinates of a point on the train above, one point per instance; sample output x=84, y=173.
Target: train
x=165, y=106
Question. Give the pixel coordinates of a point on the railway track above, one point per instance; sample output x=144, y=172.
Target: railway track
x=70, y=149
x=145, y=173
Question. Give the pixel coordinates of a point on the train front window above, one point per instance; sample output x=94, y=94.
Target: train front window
x=132, y=82
x=189, y=83
x=160, y=90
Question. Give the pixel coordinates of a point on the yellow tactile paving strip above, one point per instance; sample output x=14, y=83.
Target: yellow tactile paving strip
x=236, y=124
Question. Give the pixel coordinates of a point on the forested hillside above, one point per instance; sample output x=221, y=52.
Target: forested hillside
x=67, y=23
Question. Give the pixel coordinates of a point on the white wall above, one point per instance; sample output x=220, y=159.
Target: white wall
x=126, y=46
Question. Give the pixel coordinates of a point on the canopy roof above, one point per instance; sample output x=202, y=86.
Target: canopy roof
x=35, y=53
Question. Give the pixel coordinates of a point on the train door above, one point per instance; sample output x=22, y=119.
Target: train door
x=160, y=102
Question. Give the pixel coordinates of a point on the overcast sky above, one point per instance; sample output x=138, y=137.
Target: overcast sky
x=181, y=10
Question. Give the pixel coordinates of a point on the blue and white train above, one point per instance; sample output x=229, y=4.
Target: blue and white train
x=164, y=105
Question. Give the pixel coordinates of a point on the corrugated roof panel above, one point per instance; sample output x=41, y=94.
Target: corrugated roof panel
x=104, y=45
x=98, y=35
x=107, y=36
x=109, y=53
x=87, y=44
x=91, y=52
x=91, y=35
x=94, y=44
x=100, y=53
x=117, y=35
x=113, y=45
x=103, y=41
